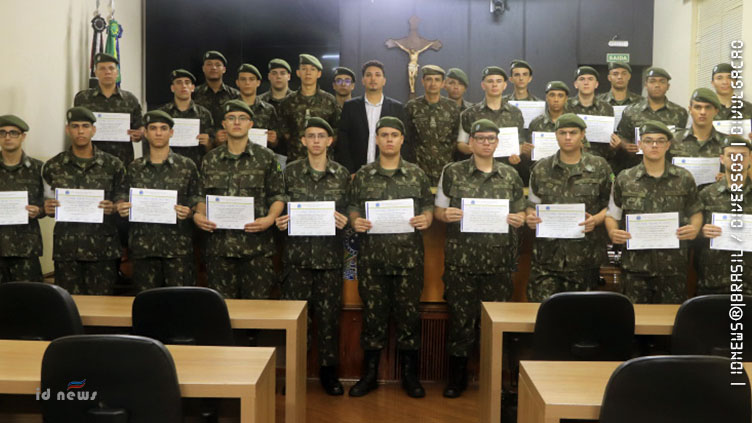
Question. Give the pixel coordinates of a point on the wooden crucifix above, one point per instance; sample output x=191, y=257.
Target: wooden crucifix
x=413, y=45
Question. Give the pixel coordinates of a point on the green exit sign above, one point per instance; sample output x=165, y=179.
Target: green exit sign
x=617, y=57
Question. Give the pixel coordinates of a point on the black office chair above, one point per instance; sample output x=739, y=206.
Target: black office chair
x=37, y=311
x=589, y=326
x=702, y=327
x=110, y=379
x=676, y=389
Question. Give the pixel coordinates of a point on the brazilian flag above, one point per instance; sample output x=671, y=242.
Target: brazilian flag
x=114, y=33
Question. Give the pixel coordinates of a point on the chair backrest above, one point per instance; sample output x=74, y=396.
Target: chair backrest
x=703, y=326
x=37, y=311
x=186, y=315
x=590, y=326
x=676, y=389
x=109, y=379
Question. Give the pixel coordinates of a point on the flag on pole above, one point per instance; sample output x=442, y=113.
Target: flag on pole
x=114, y=33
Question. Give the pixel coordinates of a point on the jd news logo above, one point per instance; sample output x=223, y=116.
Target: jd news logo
x=74, y=392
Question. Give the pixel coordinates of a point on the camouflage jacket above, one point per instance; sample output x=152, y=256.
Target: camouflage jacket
x=506, y=116
x=608, y=97
x=588, y=182
x=177, y=173
x=685, y=144
x=303, y=184
x=264, y=115
x=254, y=173
x=267, y=98
x=86, y=241
x=530, y=97
x=433, y=128
x=23, y=240
x=213, y=101
x=638, y=113
x=390, y=253
x=598, y=108
x=727, y=113
x=194, y=111
x=294, y=113
x=465, y=105
x=480, y=253
x=542, y=123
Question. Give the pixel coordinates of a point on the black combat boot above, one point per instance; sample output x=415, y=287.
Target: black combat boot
x=329, y=380
x=457, y=377
x=368, y=382
x=410, y=382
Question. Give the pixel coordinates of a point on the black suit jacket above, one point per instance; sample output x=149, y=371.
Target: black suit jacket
x=351, y=149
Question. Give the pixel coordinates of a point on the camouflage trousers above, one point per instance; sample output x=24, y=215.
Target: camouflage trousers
x=543, y=282
x=395, y=295
x=642, y=288
x=14, y=269
x=121, y=150
x=241, y=277
x=156, y=272
x=323, y=291
x=464, y=293
x=86, y=277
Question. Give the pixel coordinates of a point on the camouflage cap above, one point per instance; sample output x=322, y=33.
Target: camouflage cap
x=493, y=70
x=659, y=72
x=617, y=65
x=104, y=58
x=279, y=63
x=519, y=63
x=341, y=70
x=80, y=114
x=458, y=74
x=182, y=73
x=557, y=85
x=736, y=141
x=433, y=70
x=586, y=70
x=13, y=120
x=158, y=116
x=390, y=122
x=483, y=125
x=317, y=122
x=706, y=95
x=570, y=120
x=722, y=68
x=236, y=106
x=249, y=68
x=656, y=127
x=215, y=55
x=307, y=59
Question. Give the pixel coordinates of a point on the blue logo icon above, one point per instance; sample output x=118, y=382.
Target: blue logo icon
x=639, y=217
x=298, y=205
x=377, y=204
x=548, y=207
x=67, y=192
x=472, y=202
x=216, y=199
x=141, y=192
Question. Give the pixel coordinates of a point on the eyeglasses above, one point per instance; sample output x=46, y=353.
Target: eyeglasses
x=342, y=81
x=238, y=118
x=12, y=133
x=316, y=136
x=486, y=140
x=659, y=143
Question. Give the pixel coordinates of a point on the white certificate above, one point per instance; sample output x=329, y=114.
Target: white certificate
x=185, y=132
x=509, y=142
x=599, y=128
x=653, y=231
x=703, y=169
x=485, y=215
x=725, y=126
x=13, y=207
x=530, y=109
x=618, y=112
x=258, y=136
x=153, y=206
x=390, y=216
x=112, y=127
x=229, y=212
x=560, y=220
x=79, y=205
x=544, y=144
x=671, y=128
x=311, y=218
x=736, y=232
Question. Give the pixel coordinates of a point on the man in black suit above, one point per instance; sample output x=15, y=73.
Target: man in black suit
x=356, y=139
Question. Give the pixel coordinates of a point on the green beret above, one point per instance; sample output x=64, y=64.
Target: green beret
x=307, y=59
x=657, y=72
x=586, y=70
x=390, y=122
x=622, y=65
x=236, y=106
x=433, y=70
x=706, y=95
x=493, y=70
x=557, y=85
x=570, y=120
x=215, y=55
x=519, y=63
x=341, y=70
x=735, y=141
x=158, y=116
x=458, y=74
x=483, y=125
x=317, y=122
x=248, y=68
x=80, y=114
x=656, y=127
x=722, y=68
x=280, y=63
x=13, y=120
x=104, y=58
x=181, y=73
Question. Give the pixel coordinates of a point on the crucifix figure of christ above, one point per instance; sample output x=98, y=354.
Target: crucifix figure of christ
x=413, y=45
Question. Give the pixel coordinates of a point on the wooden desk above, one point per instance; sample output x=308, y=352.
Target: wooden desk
x=554, y=390
x=497, y=318
x=203, y=372
x=290, y=316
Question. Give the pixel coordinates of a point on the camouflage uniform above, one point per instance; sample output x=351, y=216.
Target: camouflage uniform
x=239, y=263
x=530, y=97
x=608, y=97
x=267, y=98
x=313, y=264
x=162, y=254
x=21, y=245
x=390, y=266
x=465, y=105
x=685, y=144
x=213, y=101
x=598, y=108
x=506, y=116
x=655, y=276
x=194, y=111
x=560, y=265
x=433, y=128
x=120, y=102
x=295, y=111
x=727, y=113
x=542, y=123
x=477, y=266
x=264, y=115
x=86, y=254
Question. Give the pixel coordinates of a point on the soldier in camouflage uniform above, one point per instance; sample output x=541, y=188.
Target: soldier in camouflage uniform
x=162, y=254
x=432, y=124
x=264, y=114
x=567, y=177
x=313, y=264
x=107, y=97
x=556, y=100
x=455, y=86
x=307, y=102
x=521, y=75
x=390, y=266
x=477, y=266
x=619, y=74
x=213, y=93
x=85, y=254
x=701, y=139
x=724, y=86
x=279, y=79
x=714, y=266
x=585, y=103
x=182, y=107
x=239, y=263
x=20, y=245
x=343, y=85
x=655, y=186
